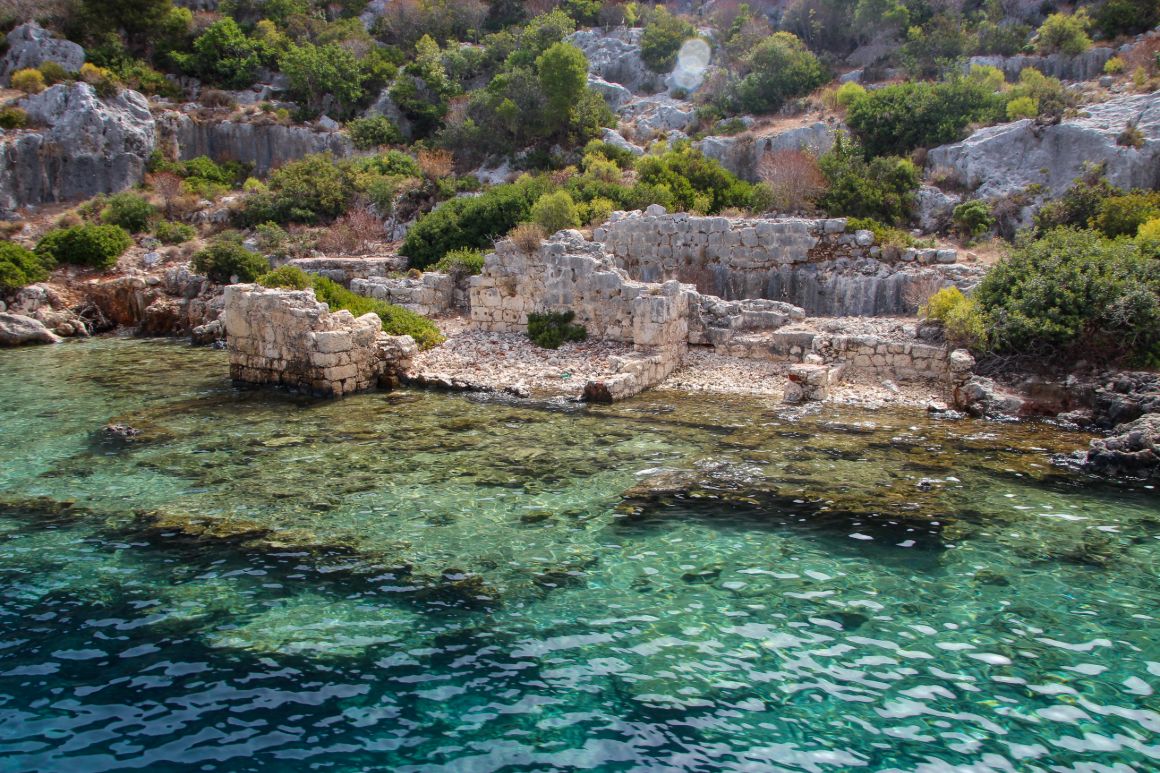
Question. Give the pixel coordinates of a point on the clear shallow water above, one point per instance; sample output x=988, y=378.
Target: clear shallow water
x=418, y=581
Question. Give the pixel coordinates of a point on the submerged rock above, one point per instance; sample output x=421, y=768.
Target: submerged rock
x=1132, y=450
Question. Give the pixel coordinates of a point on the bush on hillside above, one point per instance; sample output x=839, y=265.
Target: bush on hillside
x=1127, y=17
x=97, y=246
x=1078, y=205
x=1062, y=33
x=1075, y=293
x=1123, y=215
x=900, y=118
x=169, y=232
x=314, y=189
x=882, y=188
x=972, y=219
x=20, y=267
x=226, y=261
x=28, y=80
x=963, y=322
x=130, y=211
x=662, y=38
x=461, y=263
x=555, y=211
x=13, y=118
x=368, y=133
x=285, y=278
x=781, y=68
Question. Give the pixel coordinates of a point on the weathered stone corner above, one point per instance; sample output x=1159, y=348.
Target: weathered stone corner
x=290, y=338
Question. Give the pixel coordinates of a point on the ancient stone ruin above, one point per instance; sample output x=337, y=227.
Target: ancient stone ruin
x=291, y=339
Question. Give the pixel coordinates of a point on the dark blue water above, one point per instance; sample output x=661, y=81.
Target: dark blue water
x=420, y=581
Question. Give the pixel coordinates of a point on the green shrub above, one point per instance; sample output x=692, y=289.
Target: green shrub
x=396, y=320
x=28, y=80
x=1127, y=17
x=223, y=55
x=1073, y=292
x=1051, y=97
x=314, y=189
x=598, y=211
x=662, y=38
x=1123, y=215
x=367, y=133
x=53, y=72
x=20, y=267
x=13, y=118
x=972, y=219
x=550, y=329
x=461, y=263
x=1114, y=66
x=97, y=246
x=683, y=178
x=473, y=222
x=1002, y=37
x=226, y=261
x=882, y=188
x=130, y=211
x=555, y=211
x=884, y=235
x=848, y=92
x=286, y=278
x=1064, y=34
x=168, y=232
x=1078, y=205
x=899, y=118
x=1022, y=107
x=1148, y=239
x=780, y=68
x=963, y=322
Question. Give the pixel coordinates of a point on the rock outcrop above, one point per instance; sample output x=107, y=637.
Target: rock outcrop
x=1002, y=160
x=18, y=330
x=1132, y=450
x=31, y=45
x=614, y=56
x=84, y=145
x=264, y=145
x=742, y=153
x=1080, y=67
x=291, y=339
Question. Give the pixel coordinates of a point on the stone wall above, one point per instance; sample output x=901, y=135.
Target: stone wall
x=432, y=295
x=346, y=270
x=292, y=339
x=813, y=264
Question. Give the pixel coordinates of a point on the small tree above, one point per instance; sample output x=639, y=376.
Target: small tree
x=794, y=178
x=563, y=72
x=1065, y=34
x=130, y=211
x=318, y=72
x=555, y=211
x=224, y=55
x=226, y=260
x=780, y=68
x=662, y=38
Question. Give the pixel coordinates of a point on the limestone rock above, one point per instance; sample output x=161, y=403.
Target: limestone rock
x=265, y=145
x=614, y=56
x=614, y=94
x=1001, y=160
x=86, y=146
x=30, y=45
x=614, y=138
x=658, y=114
x=1081, y=67
x=1132, y=450
x=981, y=396
x=742, y=153
x=18, y=330
x=933, y=208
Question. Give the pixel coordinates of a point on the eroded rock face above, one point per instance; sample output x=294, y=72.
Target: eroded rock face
x=1002, y=160
x=1082, y=67
x=86, y=146
x=1132, y=450
x=614, y=56
x=18, y=330
x=30, y=45
x=742, y=153
x=291, y=338
x=266, y=146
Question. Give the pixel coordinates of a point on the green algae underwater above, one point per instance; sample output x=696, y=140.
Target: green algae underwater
x=423, y=581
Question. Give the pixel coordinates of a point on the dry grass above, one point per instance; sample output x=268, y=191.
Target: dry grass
x=918, y=292
x=352, y=234
x=436, y=164
x=527, y=237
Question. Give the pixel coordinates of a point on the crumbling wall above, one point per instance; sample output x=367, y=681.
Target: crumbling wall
x=811, y=263
x=292, y=339
x=431, y=295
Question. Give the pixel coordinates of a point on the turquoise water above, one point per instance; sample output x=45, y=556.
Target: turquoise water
x=421, y=581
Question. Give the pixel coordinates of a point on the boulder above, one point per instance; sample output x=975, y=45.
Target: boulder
x=87, y=146
x=933, y=208
x=614, y=56
x=1132, y=450
x=18, y=330
x=30, y=45
x=658, y=114
x=1002, y=160
x=614, y=94
x=614, y=138
x=982, y=397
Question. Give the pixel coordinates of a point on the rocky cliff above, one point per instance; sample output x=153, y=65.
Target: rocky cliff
x=1002, y=160
x=266, y=146
x=82, y=146
x=30, y=45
